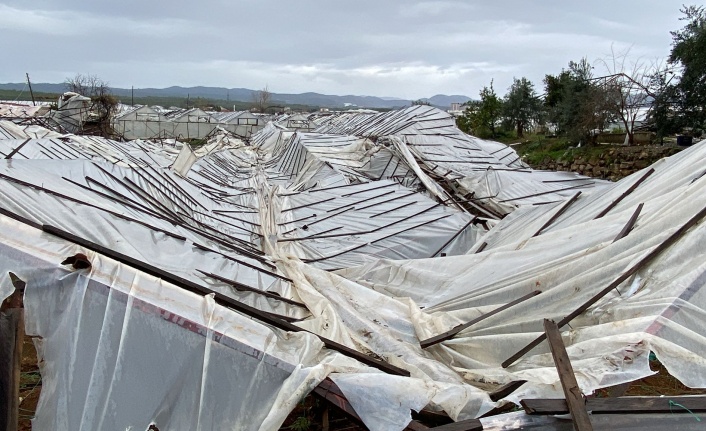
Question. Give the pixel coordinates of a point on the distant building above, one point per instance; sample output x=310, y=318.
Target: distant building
x=456, y=109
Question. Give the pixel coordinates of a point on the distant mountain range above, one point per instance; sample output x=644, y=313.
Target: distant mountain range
x=245, y=95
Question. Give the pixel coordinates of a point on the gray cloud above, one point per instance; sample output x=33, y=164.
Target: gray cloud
x=385, y=48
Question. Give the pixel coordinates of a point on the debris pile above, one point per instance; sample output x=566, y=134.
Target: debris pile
x=386, y=262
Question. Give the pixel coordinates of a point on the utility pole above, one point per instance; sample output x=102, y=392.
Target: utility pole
x=132, y=92
x=30, y=89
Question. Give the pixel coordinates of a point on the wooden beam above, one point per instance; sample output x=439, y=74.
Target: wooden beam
x=506, y=390
x=625, y=193
x=631, y=222
x=452, y=332
x=16, y=150
x=622, y=405
x=330, y=392
x=481, y=247
x=614, y=285
x=467, y=425
x=11, y=339
x=431, y=418
x=416, y=426
x=556, y=215
x=574, y=398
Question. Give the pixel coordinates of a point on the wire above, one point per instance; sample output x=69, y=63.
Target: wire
x=23, y=90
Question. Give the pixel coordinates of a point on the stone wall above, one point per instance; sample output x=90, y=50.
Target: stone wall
x=612, y=164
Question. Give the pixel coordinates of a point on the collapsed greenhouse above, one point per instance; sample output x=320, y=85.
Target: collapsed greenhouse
x=386, y=262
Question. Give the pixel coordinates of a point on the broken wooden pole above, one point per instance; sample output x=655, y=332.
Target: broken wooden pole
x=574, y=398
x=465, y=425
x=631, y=222
x=506, y=390
x=557, y=214
x=11, y=338
x=625, y=194
x=452, y=332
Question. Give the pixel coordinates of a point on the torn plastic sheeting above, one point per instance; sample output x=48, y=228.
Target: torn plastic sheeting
x=406, y=155
x=384, y=402
x=114, y=354
x=184, y=161
x=569, y=265
x=341, y=311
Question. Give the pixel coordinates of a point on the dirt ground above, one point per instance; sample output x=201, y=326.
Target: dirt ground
x=30, y=384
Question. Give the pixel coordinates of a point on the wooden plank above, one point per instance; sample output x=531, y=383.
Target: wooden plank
x=16, y=150
x=556, y=215
x=548, y=192
x=431, y=418
x=624, y=276
x=481, y=247
x=329, y=391
x=506, y=390
x=625, y=194
x=416, y=426
x=631, y=222
x=452, y=332
x=574, y=398
x=241, y=286
x=467, y=425
x=622, y=405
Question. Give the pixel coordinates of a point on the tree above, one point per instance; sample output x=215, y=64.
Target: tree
x=103, y=103
x=420, y=102
x=87, y=85
x=689, y=51
x=576, y=105
x=521, y=105
x=555, y=90
x=481, y=117
x=627, y=85
x=261, y=99
x=662, y=117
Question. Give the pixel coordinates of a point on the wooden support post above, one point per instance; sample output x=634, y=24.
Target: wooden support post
x=324, y=420
x=11, y=338
x=572, y=392
x=29, y=84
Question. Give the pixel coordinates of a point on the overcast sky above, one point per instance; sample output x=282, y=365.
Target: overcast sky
x=407, y=49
